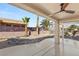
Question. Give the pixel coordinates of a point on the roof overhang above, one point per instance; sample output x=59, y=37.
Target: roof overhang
x=5, y=20
x=48, y=9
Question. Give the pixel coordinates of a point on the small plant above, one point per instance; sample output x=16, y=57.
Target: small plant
x=72, y=29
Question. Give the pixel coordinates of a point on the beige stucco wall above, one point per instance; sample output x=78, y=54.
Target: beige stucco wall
x=11, y=34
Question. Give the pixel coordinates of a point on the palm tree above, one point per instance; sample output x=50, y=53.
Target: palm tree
x=37, y=26
x=45, y=24
x=26, y=21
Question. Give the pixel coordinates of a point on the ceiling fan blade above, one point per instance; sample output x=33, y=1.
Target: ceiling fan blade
x=57, y=12
x=63, y=6
x=70, y=11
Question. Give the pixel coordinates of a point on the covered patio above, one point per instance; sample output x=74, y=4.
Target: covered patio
x=55, y=46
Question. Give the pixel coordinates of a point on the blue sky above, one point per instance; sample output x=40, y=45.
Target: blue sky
x=12, y=12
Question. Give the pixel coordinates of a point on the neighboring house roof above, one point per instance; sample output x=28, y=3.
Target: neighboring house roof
x=6, y=20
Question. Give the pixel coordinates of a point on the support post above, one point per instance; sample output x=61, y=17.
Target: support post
x=57, y=37
x=37, y=26
x=57, y=32
x=62, y=41
x=62, y=32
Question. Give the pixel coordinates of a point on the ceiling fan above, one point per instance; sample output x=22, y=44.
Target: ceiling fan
x=63, y=8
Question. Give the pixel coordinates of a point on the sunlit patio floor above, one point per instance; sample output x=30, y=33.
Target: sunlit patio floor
x=43, y=48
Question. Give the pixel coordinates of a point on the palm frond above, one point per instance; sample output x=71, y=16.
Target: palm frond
x=45, y=23
x=25, y=20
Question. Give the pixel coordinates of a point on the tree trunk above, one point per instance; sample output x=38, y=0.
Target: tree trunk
x=26, y=30
x=46, y=28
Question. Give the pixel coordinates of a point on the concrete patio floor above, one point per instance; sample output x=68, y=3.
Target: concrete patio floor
x=43, y=48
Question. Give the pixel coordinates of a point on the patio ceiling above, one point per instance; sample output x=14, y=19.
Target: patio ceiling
x=48, y=9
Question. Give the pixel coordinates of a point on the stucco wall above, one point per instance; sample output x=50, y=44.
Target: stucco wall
x=11, y=34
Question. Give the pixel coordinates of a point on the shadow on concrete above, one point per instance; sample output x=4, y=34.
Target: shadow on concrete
x=17, y=41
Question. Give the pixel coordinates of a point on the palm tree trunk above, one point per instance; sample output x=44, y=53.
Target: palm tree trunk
x=26, y=30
